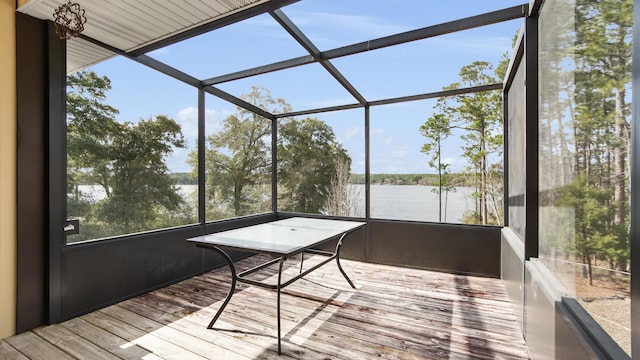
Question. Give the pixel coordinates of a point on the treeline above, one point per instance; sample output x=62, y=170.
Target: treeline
x=459, y=179
x=184, y=178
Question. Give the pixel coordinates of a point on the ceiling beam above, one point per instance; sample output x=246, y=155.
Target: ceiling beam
x=281, y=65
x=430, y=31
x=323, y=58
x=181, y=76
x=438, y=94
x=239, y=102
x=431, y=95
x=301, y=38
x=418, y=34
x=319, y=110
x=148, y=61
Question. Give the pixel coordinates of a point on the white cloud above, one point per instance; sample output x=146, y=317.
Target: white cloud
x=399, y=154
x=353, y=132
x=449, y=160
x=346, y=23
x=188, y=120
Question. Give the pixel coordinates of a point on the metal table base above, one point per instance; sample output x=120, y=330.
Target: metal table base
x=235, y=277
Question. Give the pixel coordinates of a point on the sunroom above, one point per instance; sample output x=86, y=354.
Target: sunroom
x=482, y=144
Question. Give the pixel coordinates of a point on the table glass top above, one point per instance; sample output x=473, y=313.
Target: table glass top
x=282, y=237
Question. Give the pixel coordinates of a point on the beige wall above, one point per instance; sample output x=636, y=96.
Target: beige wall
x=8, y=146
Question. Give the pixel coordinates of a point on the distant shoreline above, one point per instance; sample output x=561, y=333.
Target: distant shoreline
x=456, y=179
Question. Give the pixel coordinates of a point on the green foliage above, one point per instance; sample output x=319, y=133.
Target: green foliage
x=91, y=127
x=478, y=116
x=141, y=185
x=457, y=179
x=308, y=154
x=237, y=157
x=127, y=160
x=585, y=132
x=595, y=235
x=238, y=160
x=184, y=178
x=436, y=129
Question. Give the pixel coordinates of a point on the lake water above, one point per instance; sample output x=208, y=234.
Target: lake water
x=395, y=202
x=419, y=203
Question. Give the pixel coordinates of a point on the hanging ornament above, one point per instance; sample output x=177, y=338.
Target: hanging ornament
x=69, y=19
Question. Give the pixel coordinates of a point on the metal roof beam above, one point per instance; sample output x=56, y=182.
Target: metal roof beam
x=431, y=95
x=301, y=38
x=319, y=110
x=186, y=78
x=239, y=102
x=438, y=94
x=418, y=34
x=281, y=65
x=150, y=62
x=430, y=31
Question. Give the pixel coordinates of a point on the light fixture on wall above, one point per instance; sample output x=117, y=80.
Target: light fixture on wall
x=69, y=19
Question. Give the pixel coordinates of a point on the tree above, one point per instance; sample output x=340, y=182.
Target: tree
x=585, y=130
x=603, y=74
x=308, y=159
x=437, y=128
x=592, y=209
x=238, y=159
x=126, y=159
x=479, y=117
x=91, y=126
x=342, y=200
x=141, y=186
x=444, y=184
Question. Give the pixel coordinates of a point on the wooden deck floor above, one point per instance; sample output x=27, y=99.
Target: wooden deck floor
x=394, y=313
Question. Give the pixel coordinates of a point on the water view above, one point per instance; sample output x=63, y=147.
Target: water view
x=394, y=202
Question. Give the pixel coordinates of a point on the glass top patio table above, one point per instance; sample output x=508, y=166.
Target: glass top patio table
x=281, y=237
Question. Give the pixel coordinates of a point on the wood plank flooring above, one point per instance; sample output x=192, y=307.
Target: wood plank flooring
x=395, y=313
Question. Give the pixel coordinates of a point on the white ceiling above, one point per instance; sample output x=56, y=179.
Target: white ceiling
x=131, y=24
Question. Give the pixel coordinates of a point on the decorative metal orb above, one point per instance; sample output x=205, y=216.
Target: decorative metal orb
x=69, y=19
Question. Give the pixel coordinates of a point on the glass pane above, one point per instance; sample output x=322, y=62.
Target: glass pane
x=425, y=164
x=238, y=157
x=129, y=133
x=584, y=137
x=320, y=159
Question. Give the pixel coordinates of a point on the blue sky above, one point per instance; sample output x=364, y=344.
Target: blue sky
x=418, y=67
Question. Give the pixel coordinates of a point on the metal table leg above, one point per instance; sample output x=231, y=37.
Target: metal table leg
x=233, y=283
x=337, y=254
x=282, y=259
